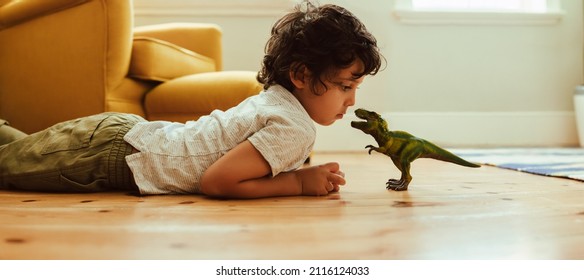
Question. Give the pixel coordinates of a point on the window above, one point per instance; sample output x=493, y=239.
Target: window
x=478, y=11
x=519, y=6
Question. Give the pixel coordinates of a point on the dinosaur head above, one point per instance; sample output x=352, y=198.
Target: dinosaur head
x=373, y=123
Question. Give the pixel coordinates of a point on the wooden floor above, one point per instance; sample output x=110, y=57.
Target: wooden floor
x=450, y=212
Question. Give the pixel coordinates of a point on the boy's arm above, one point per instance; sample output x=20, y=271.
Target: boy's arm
x=244, y=173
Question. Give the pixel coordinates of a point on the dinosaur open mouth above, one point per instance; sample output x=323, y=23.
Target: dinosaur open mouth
x=362, y=114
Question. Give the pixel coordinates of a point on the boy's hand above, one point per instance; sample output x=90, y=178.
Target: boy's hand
x=322, y=179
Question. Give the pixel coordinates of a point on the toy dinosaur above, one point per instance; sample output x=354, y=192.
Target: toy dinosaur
x=401, y=147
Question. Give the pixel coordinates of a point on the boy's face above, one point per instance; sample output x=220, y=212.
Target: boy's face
x=330, y=106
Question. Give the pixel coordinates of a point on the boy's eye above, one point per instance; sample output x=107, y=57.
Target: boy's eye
x=344, y=87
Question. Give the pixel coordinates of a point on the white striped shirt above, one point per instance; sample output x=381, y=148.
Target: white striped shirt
x=173, y=156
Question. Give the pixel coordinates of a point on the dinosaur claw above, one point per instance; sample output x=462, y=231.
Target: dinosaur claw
x=398, y=188
x=396, y=185
x=370, y=147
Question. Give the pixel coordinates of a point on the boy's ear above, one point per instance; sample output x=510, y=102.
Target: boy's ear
x=300, y=77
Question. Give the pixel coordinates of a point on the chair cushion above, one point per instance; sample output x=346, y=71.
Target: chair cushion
x=193, y=96
x=158, y=60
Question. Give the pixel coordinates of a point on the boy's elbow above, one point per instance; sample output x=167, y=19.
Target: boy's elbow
x=215, y=188
x=211, y=189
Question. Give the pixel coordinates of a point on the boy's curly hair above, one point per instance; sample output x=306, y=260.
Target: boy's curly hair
x=323, y=39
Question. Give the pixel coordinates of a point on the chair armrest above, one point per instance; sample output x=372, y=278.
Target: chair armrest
x=73, y=57
x=202, y=38
x=157, y=60
x=15, y=12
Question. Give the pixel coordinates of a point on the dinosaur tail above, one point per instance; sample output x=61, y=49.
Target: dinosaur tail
x=435, y=152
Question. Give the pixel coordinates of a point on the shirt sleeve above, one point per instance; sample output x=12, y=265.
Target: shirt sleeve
x=284, y=143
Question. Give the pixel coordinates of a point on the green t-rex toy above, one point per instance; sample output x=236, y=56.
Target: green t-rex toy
x=401, y=147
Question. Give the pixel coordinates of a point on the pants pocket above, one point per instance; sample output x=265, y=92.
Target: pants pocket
x=69, y=185
x=71, y=135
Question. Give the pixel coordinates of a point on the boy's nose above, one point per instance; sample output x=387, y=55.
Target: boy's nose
x=350, y=100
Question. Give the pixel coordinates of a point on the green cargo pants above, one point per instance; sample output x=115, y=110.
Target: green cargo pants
x=81, y=155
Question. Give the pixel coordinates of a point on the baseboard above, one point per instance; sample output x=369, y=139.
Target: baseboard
x=462, y=129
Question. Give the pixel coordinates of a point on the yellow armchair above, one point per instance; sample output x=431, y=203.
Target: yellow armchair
x=63, y=59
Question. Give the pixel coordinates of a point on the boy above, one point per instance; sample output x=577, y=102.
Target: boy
x=315, y=59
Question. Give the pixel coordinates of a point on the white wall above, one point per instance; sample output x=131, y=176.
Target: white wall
x=464, y=85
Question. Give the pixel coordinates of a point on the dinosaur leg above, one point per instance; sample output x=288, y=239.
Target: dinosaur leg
x=394, y=182
x=404, y=181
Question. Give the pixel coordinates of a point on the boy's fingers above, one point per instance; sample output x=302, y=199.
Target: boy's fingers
x=331, y=166
x=336, y=179
x=330, y=187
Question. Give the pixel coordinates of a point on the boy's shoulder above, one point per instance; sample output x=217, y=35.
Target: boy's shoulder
x=277, y=104
x=274, y=95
